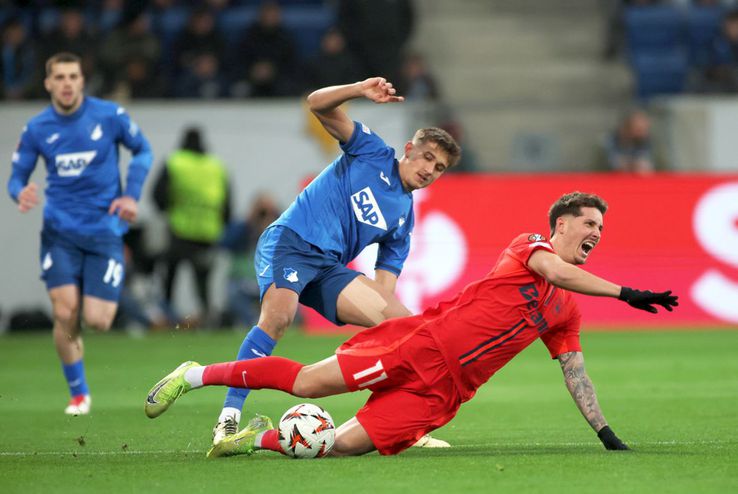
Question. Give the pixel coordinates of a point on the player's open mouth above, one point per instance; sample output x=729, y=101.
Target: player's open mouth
x=587, y=247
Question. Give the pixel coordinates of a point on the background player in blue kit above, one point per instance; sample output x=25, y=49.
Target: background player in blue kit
x=363, y=197
x=86, y=210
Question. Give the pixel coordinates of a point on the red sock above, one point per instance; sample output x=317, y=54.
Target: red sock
x=259, y=373
x=270, y=441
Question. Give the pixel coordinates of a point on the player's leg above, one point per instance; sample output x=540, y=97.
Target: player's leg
x=98, y=313
x=61, y=264
x=352, y=440
x=284, y=264
x=365, y=302
x=323, y=378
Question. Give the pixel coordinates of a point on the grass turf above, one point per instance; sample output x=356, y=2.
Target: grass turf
x=672, y=396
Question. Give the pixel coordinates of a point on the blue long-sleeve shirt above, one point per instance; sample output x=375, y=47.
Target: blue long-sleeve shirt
x=81, y=151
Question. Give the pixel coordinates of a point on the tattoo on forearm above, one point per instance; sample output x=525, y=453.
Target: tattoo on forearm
x=581, y=388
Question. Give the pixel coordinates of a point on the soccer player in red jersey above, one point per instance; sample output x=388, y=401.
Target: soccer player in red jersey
x=421, y=368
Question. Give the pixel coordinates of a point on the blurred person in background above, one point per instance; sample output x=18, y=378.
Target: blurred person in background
x=417, y=83
x=87, y=211
x=364, y=197
x=376, y=32
x=197, y=54
x=17, y=61
x=721, y=72
x=628, y=148
x=131, y=40
x=193, y=191
x=266, y=58
x=334, y=64
x=240, y=238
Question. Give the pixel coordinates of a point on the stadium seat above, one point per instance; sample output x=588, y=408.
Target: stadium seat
x=660, y=74
x=308, y=24
x=703, y=24
x=653, y=29
x=233, y=22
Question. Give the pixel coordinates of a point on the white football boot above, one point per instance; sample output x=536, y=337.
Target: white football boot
x=79, y=405
x=431, y=442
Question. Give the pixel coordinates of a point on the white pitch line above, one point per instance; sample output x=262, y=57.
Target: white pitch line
x=465, y=446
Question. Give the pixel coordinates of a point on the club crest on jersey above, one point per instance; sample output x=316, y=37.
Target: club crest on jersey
x=73, y=164
x=97, y=133
x=536, y=237
x=367, y=210
x=290, y=275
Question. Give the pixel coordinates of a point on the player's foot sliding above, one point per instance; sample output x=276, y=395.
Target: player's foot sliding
x=166, y=391
x=242, y=443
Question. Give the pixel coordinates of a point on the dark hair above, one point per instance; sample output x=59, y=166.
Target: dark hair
x=572, y=203
x=444, y=141
x=62, y=57
x=192, y=140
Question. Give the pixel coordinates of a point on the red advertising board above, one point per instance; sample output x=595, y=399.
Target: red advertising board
x=677, y=232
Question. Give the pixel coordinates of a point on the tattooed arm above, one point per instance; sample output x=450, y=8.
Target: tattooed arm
x=582, y=390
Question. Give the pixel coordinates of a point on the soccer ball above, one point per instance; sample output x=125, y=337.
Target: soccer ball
x=306, y=431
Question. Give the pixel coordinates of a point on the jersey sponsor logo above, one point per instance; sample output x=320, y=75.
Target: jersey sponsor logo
x=73, y=164
x=291, y=275
x=367, y=210
x=536, y=237
x=384, y=178
x=97, y=133
x=52, y=138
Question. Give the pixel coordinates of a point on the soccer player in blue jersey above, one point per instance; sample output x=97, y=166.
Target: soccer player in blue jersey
x=363, y=197
x=86, y=210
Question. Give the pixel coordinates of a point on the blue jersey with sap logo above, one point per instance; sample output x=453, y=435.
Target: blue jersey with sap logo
x=81, y=155
x=356, y=201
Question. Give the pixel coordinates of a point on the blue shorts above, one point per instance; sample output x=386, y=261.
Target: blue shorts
x=286, y=260
x=94, y=264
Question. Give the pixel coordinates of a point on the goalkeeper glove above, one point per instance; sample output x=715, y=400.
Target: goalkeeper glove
x=610, y=440
x=645, y=300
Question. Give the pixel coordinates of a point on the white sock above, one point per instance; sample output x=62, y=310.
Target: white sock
x=230, y=412
x=193, y=376
x=257, y=440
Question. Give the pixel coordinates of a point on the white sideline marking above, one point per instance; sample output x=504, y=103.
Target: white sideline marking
x=481, y=445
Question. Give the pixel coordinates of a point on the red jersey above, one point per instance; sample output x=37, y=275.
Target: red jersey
x=495, y=318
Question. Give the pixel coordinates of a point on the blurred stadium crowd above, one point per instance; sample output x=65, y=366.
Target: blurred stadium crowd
x=206, y=49
x=677, y=46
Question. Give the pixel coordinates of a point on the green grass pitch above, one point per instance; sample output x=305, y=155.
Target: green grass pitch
x=671, y=395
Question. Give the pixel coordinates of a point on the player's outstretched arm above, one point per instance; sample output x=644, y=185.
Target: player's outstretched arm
x=582, y=390
x=569, y=277
x=325, y=102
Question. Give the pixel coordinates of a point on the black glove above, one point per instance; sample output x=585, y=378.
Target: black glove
x=610, y=440
x=645, y=300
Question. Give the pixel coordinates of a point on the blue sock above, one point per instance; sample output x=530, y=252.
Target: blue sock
x=75, y=374
x=256, y=344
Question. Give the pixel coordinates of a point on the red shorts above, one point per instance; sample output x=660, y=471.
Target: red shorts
x=412, y=390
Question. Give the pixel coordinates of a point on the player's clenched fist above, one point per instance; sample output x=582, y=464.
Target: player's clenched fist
x=126, y=208
x=28, y=198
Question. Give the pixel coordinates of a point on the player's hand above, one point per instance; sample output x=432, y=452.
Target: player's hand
x=377, y=89
x=647, y=300
x=28, y=198
x=610, y=440
x=125, y=207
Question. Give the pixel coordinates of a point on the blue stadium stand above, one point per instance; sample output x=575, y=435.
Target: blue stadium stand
x=660, y=73
x=703, y=25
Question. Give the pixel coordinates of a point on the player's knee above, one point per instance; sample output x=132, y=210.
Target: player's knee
x=276, y=323
x=98, y=322
x=306, y=388
x=66, y=315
